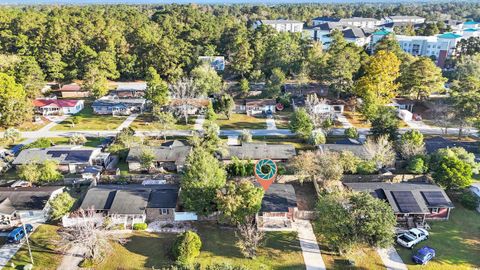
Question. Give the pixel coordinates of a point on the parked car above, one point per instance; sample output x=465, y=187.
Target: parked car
x=423, y=255
x=412, y=237
x=17, y=234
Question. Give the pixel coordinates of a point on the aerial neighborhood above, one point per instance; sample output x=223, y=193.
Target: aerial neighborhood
x=235, y=137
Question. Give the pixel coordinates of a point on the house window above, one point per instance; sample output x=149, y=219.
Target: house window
x=164, y=211
x=434, y=210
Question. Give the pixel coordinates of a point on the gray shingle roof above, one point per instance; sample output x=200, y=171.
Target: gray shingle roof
x=29, y=198
x=256, y=151
x=130, y=202
x=64, y=154
x=390, y=193
x=278, y=198
x=353, y=33
x=130, y=199
x=176, y=154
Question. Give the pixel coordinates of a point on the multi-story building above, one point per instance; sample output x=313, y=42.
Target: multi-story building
x=404, y=19
x=438, y=47
x=322, y=33
x=282, y=25
x=354, y=21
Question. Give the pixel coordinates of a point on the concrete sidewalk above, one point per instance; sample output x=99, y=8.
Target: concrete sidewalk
x=199, y=123
x=391, y=259
x=308, y=242
x=127, y=121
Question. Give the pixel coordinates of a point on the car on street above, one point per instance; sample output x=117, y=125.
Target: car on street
x=17, y=234
x=412, y=237
x=423, y=255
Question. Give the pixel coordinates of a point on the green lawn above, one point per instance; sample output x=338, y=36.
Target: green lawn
x=43, y=252
x=147, y=250
x=91, y=121
x=144, y=250
x=364, y=258
x=456, y=241
x=241, y=121
x=281, y=251
x=145, y=122
x=91, y=141
x=282, y=119
x=298, y=143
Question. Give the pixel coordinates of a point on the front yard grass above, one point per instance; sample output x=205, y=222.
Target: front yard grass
x=145, y=122
x=43, y=251
x=281, y=250
x=282, y=118
x=299, y=144
x=90, y=121
x=147, y=250
x=91, y=141
x=456, y=242
x=30, y=125
x=241, y=121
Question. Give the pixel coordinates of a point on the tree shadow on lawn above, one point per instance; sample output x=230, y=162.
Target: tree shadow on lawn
x=155, y=247
x=244, y=125
x=219, y=241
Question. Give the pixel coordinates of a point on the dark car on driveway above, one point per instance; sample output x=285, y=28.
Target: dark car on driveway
x=423, y=255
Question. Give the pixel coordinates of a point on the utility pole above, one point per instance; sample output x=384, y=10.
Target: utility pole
x=26, y=237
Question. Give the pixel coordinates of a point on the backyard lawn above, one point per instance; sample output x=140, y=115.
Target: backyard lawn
x=456, y=241
x=146, y=123
x=241, y=121
x=90, y=121
x=43, y=252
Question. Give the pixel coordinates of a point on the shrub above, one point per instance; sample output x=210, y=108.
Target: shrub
x=351, y=133
x=317, y=137
x=366, y=167
x=417, y=165
x=469, y=200
x=186, y=248
x=140, y=226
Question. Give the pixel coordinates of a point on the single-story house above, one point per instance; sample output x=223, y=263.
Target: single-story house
x=410, y=201
x=279, y=205
x=193, y=105
x=72, y=90
x=130, y=89
x=167, y=157
x=255, y=106
x=475, y=189
x=134, y=203
x=326, y=106
x=58, y=106
x=402, y=104
x=71, y=158
x=28, y=203
x=258, y=151
x=115, y=106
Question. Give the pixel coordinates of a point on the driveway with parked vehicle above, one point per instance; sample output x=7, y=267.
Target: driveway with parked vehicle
x=15, y=240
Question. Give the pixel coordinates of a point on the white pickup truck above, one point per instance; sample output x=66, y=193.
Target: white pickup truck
x=412, y=237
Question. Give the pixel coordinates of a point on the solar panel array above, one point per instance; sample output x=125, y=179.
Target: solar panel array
x=406, y=202
x=75, y=156
x=434, y=198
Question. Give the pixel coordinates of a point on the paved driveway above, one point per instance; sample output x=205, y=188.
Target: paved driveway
x=391, y=259
x=7, y=251
x=308, y=242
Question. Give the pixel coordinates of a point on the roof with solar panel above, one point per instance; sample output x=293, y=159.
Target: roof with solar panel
x=406, y=198
x=64, y=154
